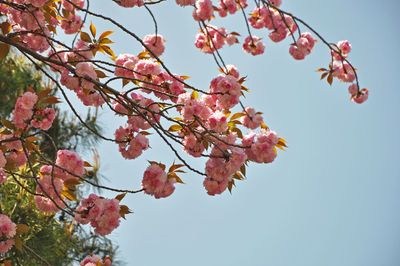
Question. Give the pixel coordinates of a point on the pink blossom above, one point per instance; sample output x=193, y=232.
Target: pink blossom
x=344, y=49
x=343, y=71
x=227, y=6
x=85, y=69
x=193, y=145
x=362, y=97
x=3, y=176
x=72, y=24
x=353, y=89
x=23, y=109
x=252, y=119
x=263, y=149
x=90, y=97
x=34, y=41
x=14, y=153
x=144, y=69
x=51, y=194
x=217, y=122
x=95, y=260
x=258, y=17
x=155, y=182
x=3, y=160
x=102, y=214
x=130, y=3
x=36, y=3
x=82, y=50
x=69, y=161
x=230, y=89
x=231, y=70
x=192, y=107
x=155, y=43
x=253, y=45
x=302, y=47
x=8, y=229
x=127, y=61
x=69, y=81
x=220, y=170
x=25, y=20
x=212, y=38
x=6, y=245
x=203, y=11
x=130, y=146
x=185, y=2
x=70, y=7
x=276, y=3
x=43, y=119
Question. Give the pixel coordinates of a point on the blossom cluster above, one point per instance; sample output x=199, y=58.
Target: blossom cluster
x=102, y=214
x=156, y=182
x=28, y=113
x=211, y=38
x=7, y=233
x=343, y=71
x=96, y=260
x=13, y=153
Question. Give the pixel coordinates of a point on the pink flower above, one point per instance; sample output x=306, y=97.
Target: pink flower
x=343, y=71
x=82, y=50
x=203, y=11
x=95, y=260
x=192, y=107
x=155, y=182
x=51, y=194
x=69, y=161
x=227, y=6
x=252, y=119
x=228, y=91
x=185, y=2
x=276, y=3
x=3, y=176
x=23, y=109
x=193, y=145
x=217, y=122
x=130, y=146
x=72, y=24
x=128, y=61
x=43, y=119
x=102, y=214
x=353, y=89
x=8, y=229
x=344, y=48
x=253, y=45
x=70, y=7
x=212, y=38
x=155, y=43
x=3, y=160
x=6, y=245
x=145, y=69
x=362, y=97
x=263, y=149
x=130, y=3
x=85, y=69
x=303, y=46
x=220, y=170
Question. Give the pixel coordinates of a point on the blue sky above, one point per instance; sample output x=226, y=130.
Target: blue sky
x=331, y=199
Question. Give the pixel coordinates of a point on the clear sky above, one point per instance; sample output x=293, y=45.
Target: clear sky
x=331, y=199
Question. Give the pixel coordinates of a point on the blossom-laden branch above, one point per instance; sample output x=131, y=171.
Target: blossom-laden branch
x=203, y=121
